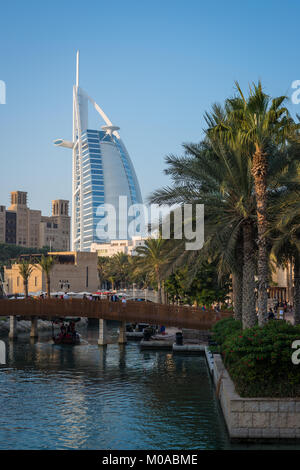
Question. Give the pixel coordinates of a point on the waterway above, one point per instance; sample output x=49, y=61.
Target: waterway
x=86, y=397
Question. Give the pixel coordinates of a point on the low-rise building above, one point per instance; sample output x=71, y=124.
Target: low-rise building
x=73, y=271
x=118, y=246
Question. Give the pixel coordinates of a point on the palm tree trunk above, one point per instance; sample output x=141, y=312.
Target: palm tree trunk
x=248, y=310
x=26, y=287
x=297, y=290
x=237, y=293
x=48, y=286
x=259, y=172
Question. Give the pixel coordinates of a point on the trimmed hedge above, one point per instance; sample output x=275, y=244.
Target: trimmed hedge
x=258, y=359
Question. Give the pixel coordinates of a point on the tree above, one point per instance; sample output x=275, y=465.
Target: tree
x=154, y=255
x=46, y=263
x=257, y=121
x=219, y=175
x=25, y=270
x=101, y=267
x=120, y=267
x=213, y=174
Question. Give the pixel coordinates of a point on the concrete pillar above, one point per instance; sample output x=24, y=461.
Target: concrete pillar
x=34, y=325
x=122, y=333
x=102, y=340
x=13, y=327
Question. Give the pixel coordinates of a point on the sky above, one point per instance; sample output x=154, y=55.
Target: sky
x=154, y=67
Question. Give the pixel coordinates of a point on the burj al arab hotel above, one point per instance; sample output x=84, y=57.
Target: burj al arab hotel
x=102, y=171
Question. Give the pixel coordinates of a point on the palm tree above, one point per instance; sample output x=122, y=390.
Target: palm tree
x=25, y=270
x=212, y=174
x=120, y=266
x=154, y=256
x=101, y=267
x=46, y=263
x=220, y=177
x=256, y=121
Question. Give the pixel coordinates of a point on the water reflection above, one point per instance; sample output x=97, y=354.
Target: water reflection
x=114, y=397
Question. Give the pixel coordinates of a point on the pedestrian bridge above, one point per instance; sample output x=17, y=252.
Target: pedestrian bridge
x=137, y=312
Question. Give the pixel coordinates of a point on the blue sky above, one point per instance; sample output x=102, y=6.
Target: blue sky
x=154, y=67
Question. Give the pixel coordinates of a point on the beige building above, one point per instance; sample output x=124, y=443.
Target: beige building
x=73, y=271
x=2, y=224
x=282, y=288
x=20, y=225
x=118, y=246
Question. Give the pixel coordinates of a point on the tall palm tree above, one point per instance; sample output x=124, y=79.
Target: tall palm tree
x=219, y=176
x=256, y=121
x=46, y=263
x=212, y=174
x=153, y=257
x=25, y=270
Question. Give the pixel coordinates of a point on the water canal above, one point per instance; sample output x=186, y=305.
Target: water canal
x=86, y=397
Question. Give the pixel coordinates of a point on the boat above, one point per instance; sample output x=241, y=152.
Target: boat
x=68, y=334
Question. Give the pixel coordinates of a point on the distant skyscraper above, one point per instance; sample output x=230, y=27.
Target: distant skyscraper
x=102, y=171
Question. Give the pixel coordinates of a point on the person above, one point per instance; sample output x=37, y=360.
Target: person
x=84, y=297
x=271, y=315
x=124, y=301
x=162, y=330
x=66, y=296
x=62, y=331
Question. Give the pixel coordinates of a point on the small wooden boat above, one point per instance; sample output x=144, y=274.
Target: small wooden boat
x=67, y=334
x=67, y=338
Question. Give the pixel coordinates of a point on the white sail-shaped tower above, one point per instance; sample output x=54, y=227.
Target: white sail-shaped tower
x=102, y=171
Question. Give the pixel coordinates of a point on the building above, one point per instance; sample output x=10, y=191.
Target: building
x=55, y=230
x=73, y=271
x=20, y=225
x=102, y=171
x=118, y=246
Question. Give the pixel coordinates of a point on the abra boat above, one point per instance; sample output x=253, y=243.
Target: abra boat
x=67, y=334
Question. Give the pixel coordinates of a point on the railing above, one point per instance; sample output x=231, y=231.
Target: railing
x=140, y=312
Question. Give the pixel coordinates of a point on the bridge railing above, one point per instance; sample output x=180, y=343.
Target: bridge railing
x=140, y=312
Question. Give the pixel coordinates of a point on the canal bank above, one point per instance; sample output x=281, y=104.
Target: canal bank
x=116, y=397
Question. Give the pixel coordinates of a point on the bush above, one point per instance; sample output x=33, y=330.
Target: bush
x=224, y=328
x=258, y=359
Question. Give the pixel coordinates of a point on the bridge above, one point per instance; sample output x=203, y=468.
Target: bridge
x=131, y=311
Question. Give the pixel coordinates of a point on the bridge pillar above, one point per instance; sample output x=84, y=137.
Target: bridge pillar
x=33, y=329
x=122, y=333
x=102, y=340
x=13, y=327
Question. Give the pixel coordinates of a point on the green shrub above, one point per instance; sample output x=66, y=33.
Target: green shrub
x=225, y=328
x=258, y=359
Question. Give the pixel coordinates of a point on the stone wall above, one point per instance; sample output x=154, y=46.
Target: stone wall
x=255, y=418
